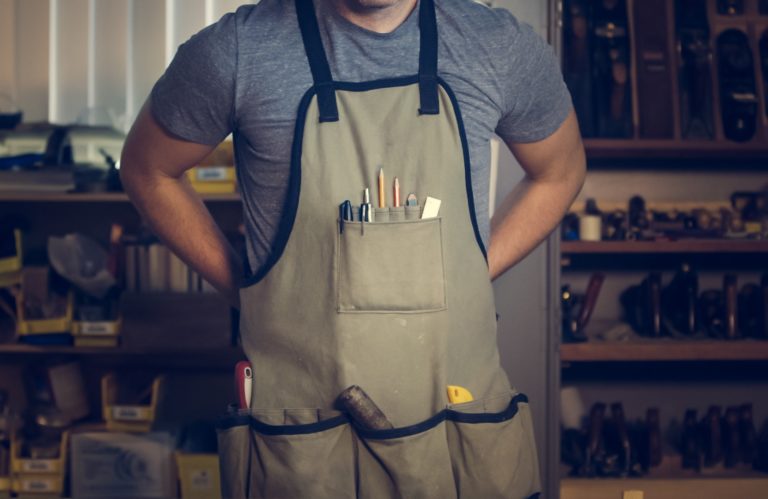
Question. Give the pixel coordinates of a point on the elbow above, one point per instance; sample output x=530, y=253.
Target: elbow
x=128, y=172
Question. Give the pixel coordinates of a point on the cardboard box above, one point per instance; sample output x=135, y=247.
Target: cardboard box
x=108, y=465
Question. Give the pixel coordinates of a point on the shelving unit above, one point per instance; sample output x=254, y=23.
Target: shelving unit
x=633, y=359
x=187, y=336
x=673, y=374
x=160, y=327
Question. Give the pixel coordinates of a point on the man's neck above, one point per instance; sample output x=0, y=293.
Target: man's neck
x=381, y=16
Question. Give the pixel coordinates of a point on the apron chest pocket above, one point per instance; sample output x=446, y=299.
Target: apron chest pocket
x=390, y=267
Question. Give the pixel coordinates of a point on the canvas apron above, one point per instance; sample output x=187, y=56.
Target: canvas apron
x=401, y=306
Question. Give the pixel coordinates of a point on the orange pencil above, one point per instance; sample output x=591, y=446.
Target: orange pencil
x=397, y=193
x=382, y=196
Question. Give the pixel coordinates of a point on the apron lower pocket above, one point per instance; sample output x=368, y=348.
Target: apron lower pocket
x=493, y=454
x=480, y=449
x=235, y=451
x=408, y=462
x=291, y=460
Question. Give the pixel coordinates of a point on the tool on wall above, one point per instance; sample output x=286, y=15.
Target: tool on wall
x=577, y=62
x=611, y=69
x=642, y=306
x=712, y=436
x=736, y=74
x=695, y=73
x=577, y=310
x=690, y=444
x=679, y=302
x=730, y=7
x=654, y=70
x=764, y=65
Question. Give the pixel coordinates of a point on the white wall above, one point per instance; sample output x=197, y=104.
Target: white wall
x=93, y=60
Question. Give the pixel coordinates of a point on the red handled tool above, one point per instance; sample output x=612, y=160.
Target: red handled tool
x=243, y=383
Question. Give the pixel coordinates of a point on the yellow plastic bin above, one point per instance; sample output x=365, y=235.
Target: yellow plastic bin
x=38, y=476
x=213, y=179
x=5, y=485
x=12, y=264
x=50, y=485
x=129, y=417
x=199, y=475
x=97, y=333
x=28, y=327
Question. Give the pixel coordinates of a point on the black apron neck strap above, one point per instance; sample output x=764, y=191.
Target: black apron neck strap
x=321, y=71
x=428, y=58
x=318, y=63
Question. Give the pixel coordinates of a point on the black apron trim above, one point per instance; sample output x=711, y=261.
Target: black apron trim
x=301, y=429
x=318, y=63
x=467, y=166
x=444, y=415
x=294, y=184
x=291, y=204
x=429, y=103
x=321, y=70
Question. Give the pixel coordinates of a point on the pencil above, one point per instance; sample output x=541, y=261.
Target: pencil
x=382, y=196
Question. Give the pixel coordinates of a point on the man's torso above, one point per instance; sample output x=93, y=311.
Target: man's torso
x=476, y=56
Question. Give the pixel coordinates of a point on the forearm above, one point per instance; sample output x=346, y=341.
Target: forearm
x=178, y=216
x=526, y=217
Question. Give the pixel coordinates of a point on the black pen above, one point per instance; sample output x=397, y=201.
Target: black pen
x=345, y=214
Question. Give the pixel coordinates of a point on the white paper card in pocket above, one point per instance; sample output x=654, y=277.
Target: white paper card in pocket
x=431, y=208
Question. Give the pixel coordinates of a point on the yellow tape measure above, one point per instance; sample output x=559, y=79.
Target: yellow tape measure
x=458, y=394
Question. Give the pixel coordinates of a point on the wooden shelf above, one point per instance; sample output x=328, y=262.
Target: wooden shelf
x=664, y=349
x=95, y=197
x=672, y=149
x=666, y=488
x=193, y=326
x=678, y=246
x=670, y=481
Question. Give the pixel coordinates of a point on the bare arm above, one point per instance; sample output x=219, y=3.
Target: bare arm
x=554, y=173
x=152, y=170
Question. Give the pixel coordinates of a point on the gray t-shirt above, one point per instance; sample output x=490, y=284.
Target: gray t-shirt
x=247, y=73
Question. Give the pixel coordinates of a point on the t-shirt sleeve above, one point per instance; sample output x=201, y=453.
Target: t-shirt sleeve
x=536, y=100
x=195, y=98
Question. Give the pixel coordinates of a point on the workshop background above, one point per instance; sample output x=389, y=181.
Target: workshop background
x=639, y=330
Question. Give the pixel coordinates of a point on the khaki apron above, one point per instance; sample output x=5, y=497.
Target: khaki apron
x=401, y=306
